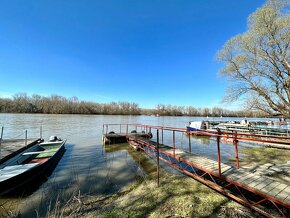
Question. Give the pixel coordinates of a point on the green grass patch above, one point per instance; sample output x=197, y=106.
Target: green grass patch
x=262, y=155
x=177, y=196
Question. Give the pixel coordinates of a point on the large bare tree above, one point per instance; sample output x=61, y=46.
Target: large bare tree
x=257, y=62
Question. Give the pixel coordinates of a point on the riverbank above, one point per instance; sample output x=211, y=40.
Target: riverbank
x=177, y=196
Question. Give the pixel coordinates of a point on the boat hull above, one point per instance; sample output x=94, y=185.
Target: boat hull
x=189, y=128
x=28, y=181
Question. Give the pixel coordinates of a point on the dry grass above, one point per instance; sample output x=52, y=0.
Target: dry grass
x=262, y=155
x=178, y=196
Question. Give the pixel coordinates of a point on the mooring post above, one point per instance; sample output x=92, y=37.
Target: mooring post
x=25, y=137
x=135, y=137
x=120, y=128
x=173, y=138
x=149, y=138
x=157, y=147
x=236, y=149
x=2, y=130
x=127, y=129
x=40, y=132
x=106, y=129
x=189, y=141
x=219, y=153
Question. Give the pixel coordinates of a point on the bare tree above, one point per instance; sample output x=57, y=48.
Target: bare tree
x=258, y=61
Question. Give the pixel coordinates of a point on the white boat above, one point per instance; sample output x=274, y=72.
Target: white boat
x=197, y=126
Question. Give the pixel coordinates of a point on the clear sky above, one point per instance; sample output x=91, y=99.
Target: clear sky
x=148, y=52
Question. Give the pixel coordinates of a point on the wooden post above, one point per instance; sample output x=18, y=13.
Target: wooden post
x=236, y=149
x=40, y=132
x=127, y=129
x=219, y=153
x=157, y=147
x=2, y=130
x=120, y=128
x=25, y=137
x=173, y=138
x=149, y=138
x=106, y=129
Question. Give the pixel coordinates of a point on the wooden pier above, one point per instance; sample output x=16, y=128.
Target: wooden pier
x=262, y=194
x=117, y=138
x=121, y=135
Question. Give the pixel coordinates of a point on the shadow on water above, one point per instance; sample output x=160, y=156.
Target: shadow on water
x=105, y=172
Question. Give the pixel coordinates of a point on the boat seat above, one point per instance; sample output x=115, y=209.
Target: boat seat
x=48, y=153
x=40, y=152
x=33, y=152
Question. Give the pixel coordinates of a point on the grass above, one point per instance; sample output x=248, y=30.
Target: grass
x=177, y=196
x=262, y=155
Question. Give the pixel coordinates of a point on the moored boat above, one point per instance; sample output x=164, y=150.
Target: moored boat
x=197, y=126
x=242, y=126
x=26, y=165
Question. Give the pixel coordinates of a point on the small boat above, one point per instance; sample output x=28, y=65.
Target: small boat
x=234, y=124
x=197, y=126
x=25, y=166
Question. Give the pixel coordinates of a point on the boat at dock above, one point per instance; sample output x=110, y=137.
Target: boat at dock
x=25, y=166
x=243, y=126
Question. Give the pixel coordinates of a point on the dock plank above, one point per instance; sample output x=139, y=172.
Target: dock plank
x=270, y=187
x=287, y=200
x=251, y=179
x=284, y=194
x=256, y=182
x=275, y=191
x=261, y=184
x=247, y=176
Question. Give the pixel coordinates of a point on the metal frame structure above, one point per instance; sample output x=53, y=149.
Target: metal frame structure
x=245, y=195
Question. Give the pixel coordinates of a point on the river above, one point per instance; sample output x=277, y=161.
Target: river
x=87, y=165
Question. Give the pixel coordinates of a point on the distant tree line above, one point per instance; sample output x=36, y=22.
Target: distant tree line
x=173, y=110
x=22, y=103
x=55, y=104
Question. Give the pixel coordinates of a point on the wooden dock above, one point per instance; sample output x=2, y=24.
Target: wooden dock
x=267, y=196
x=117, y=138
x=9, y=146
x=265, y=185
x=229, y=180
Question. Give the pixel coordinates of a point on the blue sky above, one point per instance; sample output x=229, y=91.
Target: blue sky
x=148, y=52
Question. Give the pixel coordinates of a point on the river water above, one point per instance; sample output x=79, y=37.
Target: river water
x=87, y=165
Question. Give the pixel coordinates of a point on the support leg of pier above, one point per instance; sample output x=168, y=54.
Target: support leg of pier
x=219, y=155
x=236, y=149
x=157, y=147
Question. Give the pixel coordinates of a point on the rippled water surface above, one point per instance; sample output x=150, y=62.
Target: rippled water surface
x=87, y=165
